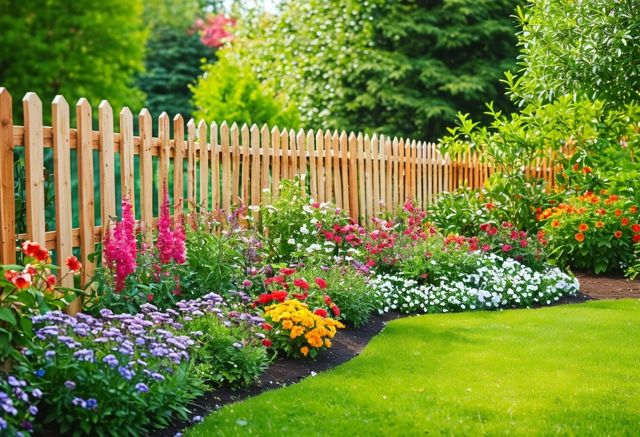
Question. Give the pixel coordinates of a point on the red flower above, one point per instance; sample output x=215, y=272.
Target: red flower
x=267, y=327
x=264, y=298
x=586, y=170
x=485, y=248
x=34, y=250
x=523, y=243
x=301, y=283
x=321, y=283
x=279, y=295
x=575, y=167
x=21, y=281
x=266, y=342
x=580, y=237
x=51, y=280
x=335, y=309
x=633, y=209
x=73, y=264
x=10, y=274
x=618, y=213
x=300, y=296
x=635, y=228
x=489, y=206
x=506, y=247
x=624, y=221
x=320, y=312
x=636, y=238
x=149, y=297
x=327, y=299
x=287, y=271
x=617, y=234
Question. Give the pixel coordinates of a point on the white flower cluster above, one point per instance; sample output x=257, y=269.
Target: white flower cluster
x=496, y=283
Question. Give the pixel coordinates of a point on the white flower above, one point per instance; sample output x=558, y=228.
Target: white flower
x=291, y=241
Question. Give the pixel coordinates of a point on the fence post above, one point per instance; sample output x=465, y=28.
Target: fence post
x=34, y=167
x=107, y=164
x=127, y=172
x=204, y=165
x=178, y=166
x=62, y=183
x=146, y=174
x=85, y=191
x=7, y=189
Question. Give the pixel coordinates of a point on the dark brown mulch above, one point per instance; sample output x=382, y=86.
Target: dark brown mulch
x=351, y=341
x=607, y=287
x=287, y=371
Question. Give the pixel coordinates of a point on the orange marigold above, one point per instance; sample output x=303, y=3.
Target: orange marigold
x=555, y=223
x=618, y=213
x=633, y=209
x=624, y=221
x=599, y=224
x=617, y=234
x=580, y=237
x=583, y=227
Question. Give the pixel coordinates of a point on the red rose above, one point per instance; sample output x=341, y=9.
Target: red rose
x=73, y=264
x=266, y=342
x=320, y=312
x=321, y=283
x=301, y=283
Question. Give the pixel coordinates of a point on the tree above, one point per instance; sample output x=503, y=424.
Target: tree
x=401, y=68
x=78, y=48
x=228, y=90
x=173, y=62
x=590, y=49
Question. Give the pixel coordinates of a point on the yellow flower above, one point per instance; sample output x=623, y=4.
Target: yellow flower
x=287, y=324
x=327, y=342
x=304, y=350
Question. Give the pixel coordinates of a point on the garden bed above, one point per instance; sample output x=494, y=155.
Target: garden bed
x=607, y=287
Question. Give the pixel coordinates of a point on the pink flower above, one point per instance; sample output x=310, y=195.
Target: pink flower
x=506, y=247
x=120, y=247
x=170, y=244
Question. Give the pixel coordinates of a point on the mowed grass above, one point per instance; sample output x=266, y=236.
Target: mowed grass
x=568, y=370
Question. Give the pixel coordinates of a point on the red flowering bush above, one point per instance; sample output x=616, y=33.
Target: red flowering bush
x=289, y=284
x=592, y=231
x=134, y=273
x=29, y=290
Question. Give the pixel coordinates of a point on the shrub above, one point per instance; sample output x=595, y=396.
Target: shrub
x=461, y=211
x=26, y=291
x=230, y=346
x=297, y=331
x=18, y=402
x=592, y=231
x=116, y=374
x=348, y=288
x=488, y=281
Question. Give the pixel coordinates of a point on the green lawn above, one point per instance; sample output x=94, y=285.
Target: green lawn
x=569, y=370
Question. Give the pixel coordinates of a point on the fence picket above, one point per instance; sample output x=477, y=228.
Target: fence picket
x=178, y=166
x=255, y=169
x=164, y=134
x=235, y=162
x=34, y=167
x=277, y=159
x=368, y=175
x=246, y=164
x=320, y=165
x=7, y=189
x=107, y=164
x=191, y=164
x=62, y=186
x=337, y=174
x=215, y=166
x=146, y=174
x=344, y=170
x=375, y=158
x=302, y=161
x=266, y=158
x=353, y=177
x=85, y=188
x=204, y=165
x=226, y=167
x=127, y=172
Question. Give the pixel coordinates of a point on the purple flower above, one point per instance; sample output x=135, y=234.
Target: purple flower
x=91, y=403
x=126, y=372
x=33, y=410
x=198, y=418
x=36, y=393
x=79, y=402
x=3, y=424
x=70, y=385
x=237, y=345
x=142, y=388
x=13, y=381
x=40, y=373
x=49, y=354
x=84, y=355
x=157, y=377
x=111, y=360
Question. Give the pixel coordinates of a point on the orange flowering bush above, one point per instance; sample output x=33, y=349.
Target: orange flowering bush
x=297, y=331
x=28, y=290
x=592, y=231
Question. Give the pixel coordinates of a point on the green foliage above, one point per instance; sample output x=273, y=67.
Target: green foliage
x=173, y=62
x=79, y=49
x=585, y=48
x=349, y=290
x=401, y=67
x=460, y=212
x=227, y=355
x=229, y=90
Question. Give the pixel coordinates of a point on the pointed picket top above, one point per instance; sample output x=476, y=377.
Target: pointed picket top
x=163, y=118
x=234, y=129
x=275, y=129
x=264, y=129
x=145, y=113
x=59, y=103
x=213, y=126
x=336, y=135
x=284, y=132
x=32, y=99
x=352, y=136
x=374, y=137
x=191, y=124
x=301, y=135
x=104, y=106
x=366, y=137
x=202, y=125
x=5, y=94
x=126, y=113
x=178, y=118
x=327, y=135
x=83, y=104
x=343, y=136
x=394, y=142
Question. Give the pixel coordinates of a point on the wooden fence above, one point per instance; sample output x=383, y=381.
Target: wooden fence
x=213, y=165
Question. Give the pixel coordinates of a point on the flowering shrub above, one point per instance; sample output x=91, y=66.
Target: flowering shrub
x=349, y=290
x=131, y=275
x=592, y=231
x=28, y=290
x=297, y=331
x=18, y=403
x=116, y=372
x=494, y=283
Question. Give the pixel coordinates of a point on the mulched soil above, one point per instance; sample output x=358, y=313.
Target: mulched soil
x=351, y=341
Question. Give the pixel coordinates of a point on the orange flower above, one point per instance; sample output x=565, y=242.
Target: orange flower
x=601, y=211
x=580, y=237
x=304, y=350
x=618, y=213
x=555, y=223
x=617, y=234
x=624, y=221
x=586, y=170
x=599, y=224
x=583, y=227
x=633, y=209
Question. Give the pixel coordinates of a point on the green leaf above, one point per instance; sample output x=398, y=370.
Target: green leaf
x=7, y=315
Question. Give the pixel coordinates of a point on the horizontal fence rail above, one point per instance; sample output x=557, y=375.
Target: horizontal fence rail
x=214, y=166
